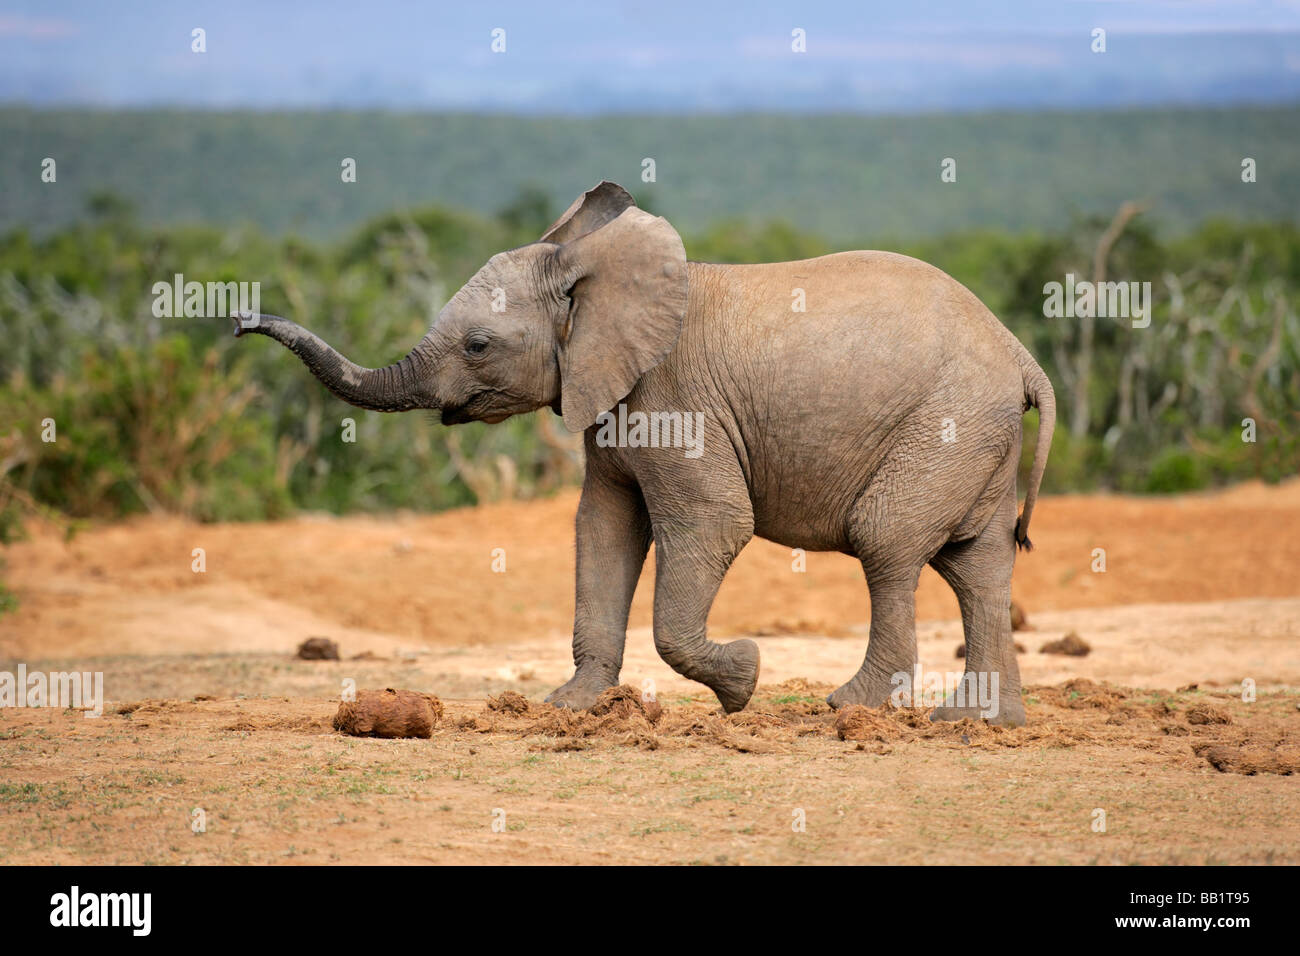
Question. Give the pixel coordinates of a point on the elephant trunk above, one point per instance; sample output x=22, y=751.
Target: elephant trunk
x=396, y=388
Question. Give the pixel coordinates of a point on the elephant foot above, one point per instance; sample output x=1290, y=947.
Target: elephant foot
x=736, y=675
x=1010, y=712
x=862, y=691
x=582, y=689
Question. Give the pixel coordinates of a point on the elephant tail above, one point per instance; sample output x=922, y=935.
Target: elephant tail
x=1038, y=394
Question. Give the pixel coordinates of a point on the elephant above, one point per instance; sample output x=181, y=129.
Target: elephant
x=862, y=402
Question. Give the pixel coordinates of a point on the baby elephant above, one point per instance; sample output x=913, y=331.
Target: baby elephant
x=862, y=402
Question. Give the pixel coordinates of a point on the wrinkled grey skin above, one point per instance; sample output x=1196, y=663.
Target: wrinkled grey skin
x=823, y=430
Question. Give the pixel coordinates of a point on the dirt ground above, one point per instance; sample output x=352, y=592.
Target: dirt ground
x=209, y=709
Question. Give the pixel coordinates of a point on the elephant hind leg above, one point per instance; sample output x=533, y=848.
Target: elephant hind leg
x=979, y=571
x=903, y=517
x=891, y=648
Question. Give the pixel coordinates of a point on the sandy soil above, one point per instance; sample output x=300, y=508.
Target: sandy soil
x=209, y=709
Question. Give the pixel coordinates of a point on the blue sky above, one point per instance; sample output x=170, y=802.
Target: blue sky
x=649, y=55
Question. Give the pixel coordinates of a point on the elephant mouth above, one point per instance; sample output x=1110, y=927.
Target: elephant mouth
x=465, y=411
x=457, y=414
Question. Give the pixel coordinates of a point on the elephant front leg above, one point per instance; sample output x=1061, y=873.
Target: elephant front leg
x=613, y=538
x=689, y=567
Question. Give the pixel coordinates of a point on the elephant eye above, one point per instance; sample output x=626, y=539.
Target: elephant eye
x=476, y=344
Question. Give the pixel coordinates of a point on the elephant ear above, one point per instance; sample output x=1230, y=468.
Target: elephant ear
x=595, y=208
x=628, y=299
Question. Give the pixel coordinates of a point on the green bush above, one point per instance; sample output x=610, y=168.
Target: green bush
x=156, y=429
x=1175, y=470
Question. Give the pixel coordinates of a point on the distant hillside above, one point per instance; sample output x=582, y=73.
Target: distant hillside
x=841, y=177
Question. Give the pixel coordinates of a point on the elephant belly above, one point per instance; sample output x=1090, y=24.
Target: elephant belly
x=806, y=504
x=813, y=493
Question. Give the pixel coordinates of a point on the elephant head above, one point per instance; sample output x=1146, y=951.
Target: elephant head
x=571, y=321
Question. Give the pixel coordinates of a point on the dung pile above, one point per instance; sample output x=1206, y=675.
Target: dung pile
x=1250, y=759
x=318, y=649
x=389, y=713
x=618, y=712
x=1203, y=713
x=1072, y=645
x=793, y=716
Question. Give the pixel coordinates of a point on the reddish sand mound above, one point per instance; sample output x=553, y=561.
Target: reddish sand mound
x=121, y=588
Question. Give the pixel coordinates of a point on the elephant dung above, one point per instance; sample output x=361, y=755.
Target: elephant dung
x=389, y=713
x=1203, y=713
x=510, y=702
x=1250, y=760
x=625, y=701
x=1071, y=645
x=857, y=722
x=318, y=649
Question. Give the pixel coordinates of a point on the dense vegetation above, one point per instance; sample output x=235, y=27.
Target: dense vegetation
x=846, y=178
x=171, y=415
